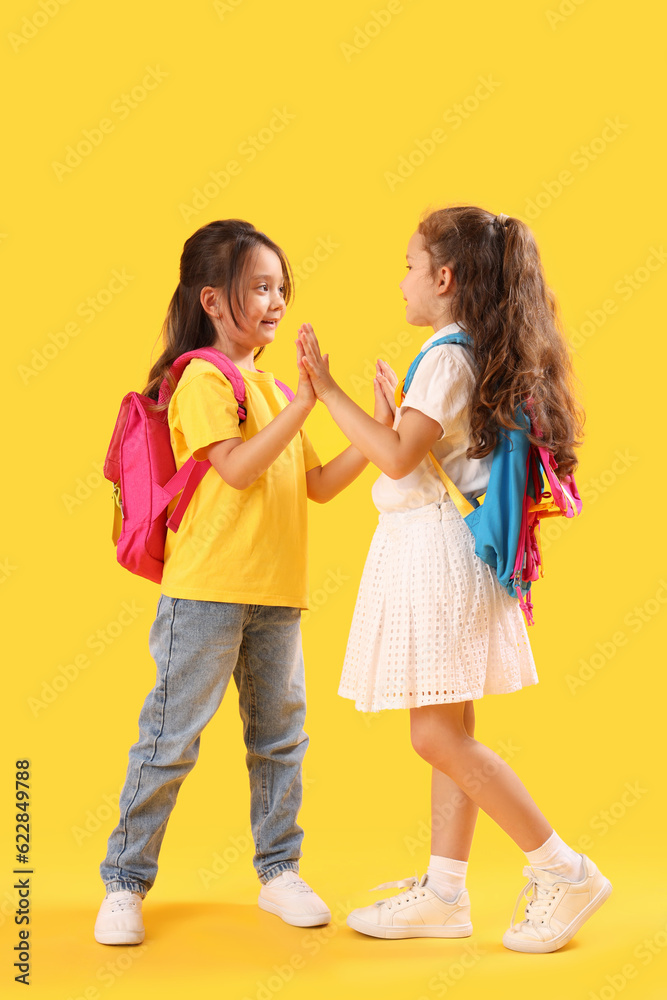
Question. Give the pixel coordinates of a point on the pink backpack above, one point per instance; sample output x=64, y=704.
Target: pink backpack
x=141, y=465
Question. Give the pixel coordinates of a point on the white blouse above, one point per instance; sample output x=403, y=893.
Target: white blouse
x=441, y=388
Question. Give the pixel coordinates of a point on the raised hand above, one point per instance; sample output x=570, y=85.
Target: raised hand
x=305, y=394
x=316, y=365
x=384, y=386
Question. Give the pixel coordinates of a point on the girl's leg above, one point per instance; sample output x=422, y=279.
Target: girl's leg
x=566, y=888
x=195, y=646
x=453, y=818
x=453, y=813
x=439, y=736
x=272, y=704
x=437, y=905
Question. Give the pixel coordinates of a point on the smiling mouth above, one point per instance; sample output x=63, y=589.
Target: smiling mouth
x=270, y=322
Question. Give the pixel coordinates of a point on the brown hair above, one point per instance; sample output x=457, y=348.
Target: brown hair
x=218, y=254
x=502, y=301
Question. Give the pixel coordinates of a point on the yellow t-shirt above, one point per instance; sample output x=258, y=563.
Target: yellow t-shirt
x=238, y=546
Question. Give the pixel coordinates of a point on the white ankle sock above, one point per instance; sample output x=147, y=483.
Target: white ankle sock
x=556, y=856
x=447, y=875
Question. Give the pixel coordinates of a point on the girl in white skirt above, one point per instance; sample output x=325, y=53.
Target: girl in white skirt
x=433, y=629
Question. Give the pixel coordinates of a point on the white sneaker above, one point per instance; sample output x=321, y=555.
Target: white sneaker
x=419, y=911
x=291, y=898
x=557, y=907
x=119, y=920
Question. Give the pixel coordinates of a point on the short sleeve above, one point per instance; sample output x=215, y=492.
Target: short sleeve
x=441, y=388
x=309, y=454
x=206, y=410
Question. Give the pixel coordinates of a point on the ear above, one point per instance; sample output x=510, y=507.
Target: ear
x=445, y=281
x=209, y=300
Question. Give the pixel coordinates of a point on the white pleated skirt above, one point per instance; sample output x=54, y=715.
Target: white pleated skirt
x=431, y=624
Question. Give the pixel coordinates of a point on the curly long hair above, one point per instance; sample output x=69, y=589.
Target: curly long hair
x=220, y=255
x=501, y=299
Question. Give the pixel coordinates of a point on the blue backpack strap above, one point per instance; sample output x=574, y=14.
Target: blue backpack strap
x=461, y=338
x=496, y=523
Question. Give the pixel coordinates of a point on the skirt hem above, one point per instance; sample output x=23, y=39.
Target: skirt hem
x=402, y=703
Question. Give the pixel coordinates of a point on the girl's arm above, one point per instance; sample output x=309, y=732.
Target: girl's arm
x=240, y=462
x=325, y=482
x=395, y=452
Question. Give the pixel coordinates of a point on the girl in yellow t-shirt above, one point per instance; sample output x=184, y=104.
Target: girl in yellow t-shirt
x=235, y=578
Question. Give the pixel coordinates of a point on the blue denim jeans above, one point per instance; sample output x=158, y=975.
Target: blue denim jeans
x=197, y=647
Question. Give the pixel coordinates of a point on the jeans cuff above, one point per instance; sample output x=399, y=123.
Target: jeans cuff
x=281, y=866
x=118, y=886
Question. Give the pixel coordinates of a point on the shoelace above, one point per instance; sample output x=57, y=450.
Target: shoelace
x=298, y=885
x=542, y=896
x=402, y=897
x=124, y=903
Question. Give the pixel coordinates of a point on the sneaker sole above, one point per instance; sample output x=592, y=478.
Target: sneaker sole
x=375, y=930
x=119, y=937
x=296, y=920
x=544, y=947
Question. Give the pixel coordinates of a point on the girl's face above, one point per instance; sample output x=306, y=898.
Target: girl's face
x=264, y=302
x=422, y=293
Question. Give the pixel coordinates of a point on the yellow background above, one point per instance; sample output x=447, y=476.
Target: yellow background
x=321, y=182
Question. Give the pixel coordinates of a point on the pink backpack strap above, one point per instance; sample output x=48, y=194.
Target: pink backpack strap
x=281, y=385
x=286, y=389
x=563, y=491
x=221, y=362
x=192, y=472
x=227, y=367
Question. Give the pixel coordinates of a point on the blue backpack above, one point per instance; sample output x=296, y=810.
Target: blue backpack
x=505, y=520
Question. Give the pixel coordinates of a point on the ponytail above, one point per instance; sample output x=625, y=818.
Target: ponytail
x=502, y=300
